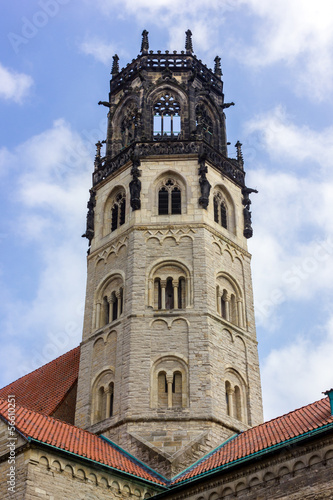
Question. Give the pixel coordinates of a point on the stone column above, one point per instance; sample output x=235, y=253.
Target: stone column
x=175, y=293
x=226, y=298
x=108, y=402
x=118, y=296
x=218, y=298
x=231, y=402
x=111, y=301
x=169, y=379
x=163, y=287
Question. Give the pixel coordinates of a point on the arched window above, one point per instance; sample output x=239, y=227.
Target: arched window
x=169, y=198
x=109, y=302
x=169, y=293
x=118, y=211
x=204, y=123
x=235, y=395
x=220, y=211
x=103, y=397
x=129, y=125
x=167, y=122
x=169, y=286
x=229, y=300
x=169, y=383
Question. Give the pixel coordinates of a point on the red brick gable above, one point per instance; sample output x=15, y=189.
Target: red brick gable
x=262, y=437
x=44, y=389
x=48, y=430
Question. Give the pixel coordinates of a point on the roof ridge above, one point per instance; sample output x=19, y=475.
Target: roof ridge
x=284, y=415
x=133, y=458
x=40, y=367
x=28, y=424
x=17, y=405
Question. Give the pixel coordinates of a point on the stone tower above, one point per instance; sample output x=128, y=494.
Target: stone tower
x=169, y=365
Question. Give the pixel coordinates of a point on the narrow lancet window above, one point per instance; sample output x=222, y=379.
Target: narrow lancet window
x=169, y=198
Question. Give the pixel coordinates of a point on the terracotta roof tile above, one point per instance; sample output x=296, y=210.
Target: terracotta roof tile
x=45, y=388
x=278, y=430
x=67, y=437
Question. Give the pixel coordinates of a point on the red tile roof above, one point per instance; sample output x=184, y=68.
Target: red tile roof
x=82, y=443
x=45, y=388
x=276, y=431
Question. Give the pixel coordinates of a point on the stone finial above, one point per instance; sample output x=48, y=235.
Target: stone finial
x=188, y=42
x=115, y=65
x=240, y=159
x=145, y=42
x=217, y=68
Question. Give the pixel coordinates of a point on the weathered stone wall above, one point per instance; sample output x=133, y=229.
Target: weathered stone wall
x=207, y=347
x=301, y=472
x=50, y=476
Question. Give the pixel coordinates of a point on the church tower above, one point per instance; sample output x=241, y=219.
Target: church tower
x=169, y=364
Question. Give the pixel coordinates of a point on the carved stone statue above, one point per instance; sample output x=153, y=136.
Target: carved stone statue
x=90, y=228
x=248, y=231
x=135, y=184
x=205, y=185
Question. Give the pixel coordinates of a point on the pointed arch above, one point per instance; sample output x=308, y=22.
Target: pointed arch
x=167, y=104
x=126, y=122
x=115, y=210
x=224, y=212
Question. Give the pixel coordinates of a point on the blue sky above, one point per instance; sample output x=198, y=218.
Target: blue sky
x=277, y=62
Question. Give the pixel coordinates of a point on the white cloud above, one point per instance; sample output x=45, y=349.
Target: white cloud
x=14, y=86
x=281, y=137
x=177, y=16
x=293, y=237
x=51, y=194
x=299, y=372
x=298, y=33
x=100, y=50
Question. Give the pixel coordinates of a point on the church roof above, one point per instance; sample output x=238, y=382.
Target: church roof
x=39, y=393
x=44, y=389
x=50, y=431
x=280, y=431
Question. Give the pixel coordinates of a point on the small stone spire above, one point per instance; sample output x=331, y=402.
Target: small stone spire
x=145, y=42
x=217, y=68
x=188, y=42
x=240, y=159
x=115, y=65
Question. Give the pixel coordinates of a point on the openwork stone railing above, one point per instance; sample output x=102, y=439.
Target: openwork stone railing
x=227, y=166
x=159, y=62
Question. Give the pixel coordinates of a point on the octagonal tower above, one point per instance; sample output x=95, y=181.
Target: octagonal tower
x=169, y=364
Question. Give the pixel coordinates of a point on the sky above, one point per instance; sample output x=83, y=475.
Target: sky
x=277, y=63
